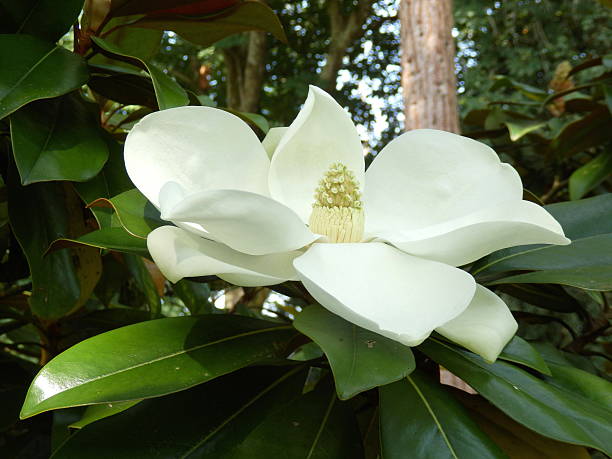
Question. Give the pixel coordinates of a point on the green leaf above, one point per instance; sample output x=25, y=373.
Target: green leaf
x=590, y=175
x=135, y=213
x=315, y=425
x=520, y=128
x=206, y=30
x=586, y=222
x=116, y=239
x=420, y=419
x=597, y=278
x=46, y=19
x=125, y=88
x=57, y=139
x=531, y=92
x=40, y=213
x=137, y=42
x=207, y=421
x=123, y=364
x=128, y=7
x=584, y=133
x=168, y=92
x=94, y=413
x=33, y=69
x=520, y=351
x=360, y=359
x=538, y=405
x=195, y=296
x=111, y=181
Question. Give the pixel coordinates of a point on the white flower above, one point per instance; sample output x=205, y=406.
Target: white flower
x=430, y=201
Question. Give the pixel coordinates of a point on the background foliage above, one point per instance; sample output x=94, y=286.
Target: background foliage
x=534, y=81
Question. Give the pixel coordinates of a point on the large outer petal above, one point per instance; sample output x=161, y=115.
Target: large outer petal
x=425, y=177
x=466, y=239
x=247, y=222
x=320, y=135
x=272, y=139
x=198, y=148
x=179, y=253
x=384, y=290
x=485, y=327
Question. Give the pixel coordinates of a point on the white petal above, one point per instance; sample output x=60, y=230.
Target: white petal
x=247, y=222
x=198, y=148
x=425, y=177
x=179, y=253
x=384, y=290
x=466, y=239
x=321, y=134
x=272, y=139
x=485, y=327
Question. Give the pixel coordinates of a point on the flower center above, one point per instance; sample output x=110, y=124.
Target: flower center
x=337, y=211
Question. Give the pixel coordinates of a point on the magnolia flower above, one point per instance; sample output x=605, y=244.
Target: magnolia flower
x=378, y=248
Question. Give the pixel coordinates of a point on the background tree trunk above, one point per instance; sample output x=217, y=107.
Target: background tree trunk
x=428, y=70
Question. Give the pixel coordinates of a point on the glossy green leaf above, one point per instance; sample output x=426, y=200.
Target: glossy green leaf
x=126, y=89
x=135, y=41
x=111, y=181
x=135, y=213
x=168, y=92
x=46, y=19
x=195, y=296
x=127, y=7
x=582, y=382
x=316, y=425
x=420, y=419
x=94, y=413
x=520, y=351
x=584, y=133
x=124, y=365
x=34, y=69
x=531, y=92
x=39, y=213
x=520, y=128
x=586, y=222
x=57, y=139
x=590, y=175
x=116, y=239
x=205, y=422
x=537, y=404
x=598, y=278
x=360, y=359
x=206, y=30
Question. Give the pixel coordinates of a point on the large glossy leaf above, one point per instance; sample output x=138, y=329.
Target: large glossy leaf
x=144, y=281
x=539, y=405
x=153, y=358
x=34, y=69
x=135, y=213
x=195, y=296
x=126, y=88
x=590, y=175
x=169, y=94
x=584, y=133
x=57, y=139
x=597, y=278
x=116, y=239
x=520, y=351
x=316, y=425
x=205, y=31
x=585, y=222
x=47, y=19
x=207, y=421
x=39, y=213
x=94, y=413
x=127, y=7
x=420, y=419
x=360, y=359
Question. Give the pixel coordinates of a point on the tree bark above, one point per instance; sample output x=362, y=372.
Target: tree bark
x=345, y=30
x=428, y=71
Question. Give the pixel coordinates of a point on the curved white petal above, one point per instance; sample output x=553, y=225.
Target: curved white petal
x=321, y=134
x=466, y=239
x=179, y=253
x=485, y=327
x=198, y=148
x=425, y=177
x=384, y=290
x=272, y=139
x=247, y=222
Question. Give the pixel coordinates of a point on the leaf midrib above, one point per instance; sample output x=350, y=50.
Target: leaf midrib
x=25, y=75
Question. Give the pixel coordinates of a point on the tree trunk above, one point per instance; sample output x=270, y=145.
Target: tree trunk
x=345, y=30
x=428, y=71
